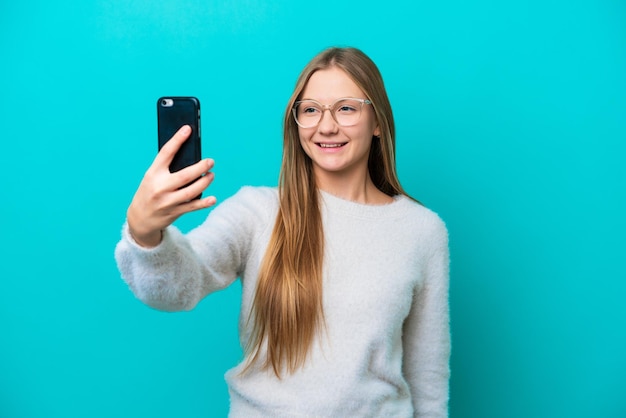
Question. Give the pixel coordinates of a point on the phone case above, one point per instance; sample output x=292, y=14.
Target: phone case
x=172, y=114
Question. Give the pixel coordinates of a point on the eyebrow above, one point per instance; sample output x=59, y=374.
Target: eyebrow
x=333, y=101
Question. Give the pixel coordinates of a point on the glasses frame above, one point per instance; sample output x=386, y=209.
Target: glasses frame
x=329, y=108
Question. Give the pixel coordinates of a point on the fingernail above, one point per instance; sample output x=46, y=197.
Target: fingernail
x=185, y=129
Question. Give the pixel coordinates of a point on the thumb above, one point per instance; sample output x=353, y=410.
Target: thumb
x=170, y=148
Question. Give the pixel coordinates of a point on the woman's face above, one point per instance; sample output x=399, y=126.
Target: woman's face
x=334, y=149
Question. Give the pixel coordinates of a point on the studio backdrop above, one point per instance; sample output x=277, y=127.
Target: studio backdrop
x=510, y=124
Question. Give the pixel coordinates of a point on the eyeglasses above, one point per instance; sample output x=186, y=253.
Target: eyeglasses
x=345, y=111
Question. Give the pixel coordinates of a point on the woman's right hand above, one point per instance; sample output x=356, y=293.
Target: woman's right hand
x=162, y=196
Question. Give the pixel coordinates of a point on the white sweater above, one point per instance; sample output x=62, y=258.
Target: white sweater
x=385, y=347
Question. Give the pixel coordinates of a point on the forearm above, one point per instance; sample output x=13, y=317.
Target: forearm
x=168, y=277
x=182, y=269
x=427, y=368
x=427, y=337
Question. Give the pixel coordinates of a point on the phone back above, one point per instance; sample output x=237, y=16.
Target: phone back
x=172, y=114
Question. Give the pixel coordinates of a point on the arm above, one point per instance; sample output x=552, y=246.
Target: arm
x=426, y=334
x=165, y=269
x=167, y=277
x=163, y=196
x=183, y=269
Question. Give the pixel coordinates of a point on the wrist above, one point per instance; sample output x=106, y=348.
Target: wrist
x=146, y=240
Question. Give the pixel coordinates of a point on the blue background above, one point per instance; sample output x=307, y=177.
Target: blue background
x=511, y=125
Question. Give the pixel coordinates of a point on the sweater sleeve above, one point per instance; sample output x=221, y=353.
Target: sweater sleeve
x=426, y=333
x=183, y=269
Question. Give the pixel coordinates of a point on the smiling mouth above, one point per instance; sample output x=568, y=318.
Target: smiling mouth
x=333, y=145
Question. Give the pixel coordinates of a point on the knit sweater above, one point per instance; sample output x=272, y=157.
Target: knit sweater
x=385, y=344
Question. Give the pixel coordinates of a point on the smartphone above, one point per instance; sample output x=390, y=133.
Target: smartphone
x=172, y=114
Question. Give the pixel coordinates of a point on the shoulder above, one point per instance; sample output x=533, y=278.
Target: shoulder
x=256, y=202
x=423, y=220
x=253, y=195
x=244, y=214
x=259, y=194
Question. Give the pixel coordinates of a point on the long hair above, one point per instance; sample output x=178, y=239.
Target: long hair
x=287, y=307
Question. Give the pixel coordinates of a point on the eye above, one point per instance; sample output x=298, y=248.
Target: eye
x=347, y=106
x=309, y=109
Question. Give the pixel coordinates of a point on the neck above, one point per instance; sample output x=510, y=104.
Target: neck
x=357, y=187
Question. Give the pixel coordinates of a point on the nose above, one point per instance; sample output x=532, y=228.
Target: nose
x=327, y=124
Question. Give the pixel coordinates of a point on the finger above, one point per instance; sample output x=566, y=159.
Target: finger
x=191, y=173
x=194, y=189
x=171, y=147
x=195, y=205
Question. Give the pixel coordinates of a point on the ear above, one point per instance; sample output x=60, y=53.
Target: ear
x=377, y=131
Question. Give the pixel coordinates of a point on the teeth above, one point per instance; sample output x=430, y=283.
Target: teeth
x=331, y=145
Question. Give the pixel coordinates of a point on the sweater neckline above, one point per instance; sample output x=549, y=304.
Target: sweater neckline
x=333, y=202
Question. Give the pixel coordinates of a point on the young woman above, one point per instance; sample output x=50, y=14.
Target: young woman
x=344, y=277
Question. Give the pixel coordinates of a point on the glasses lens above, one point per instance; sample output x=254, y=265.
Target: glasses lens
x=308, y=113
x=347, y=111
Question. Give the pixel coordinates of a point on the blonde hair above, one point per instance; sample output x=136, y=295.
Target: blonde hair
x=287, y=308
